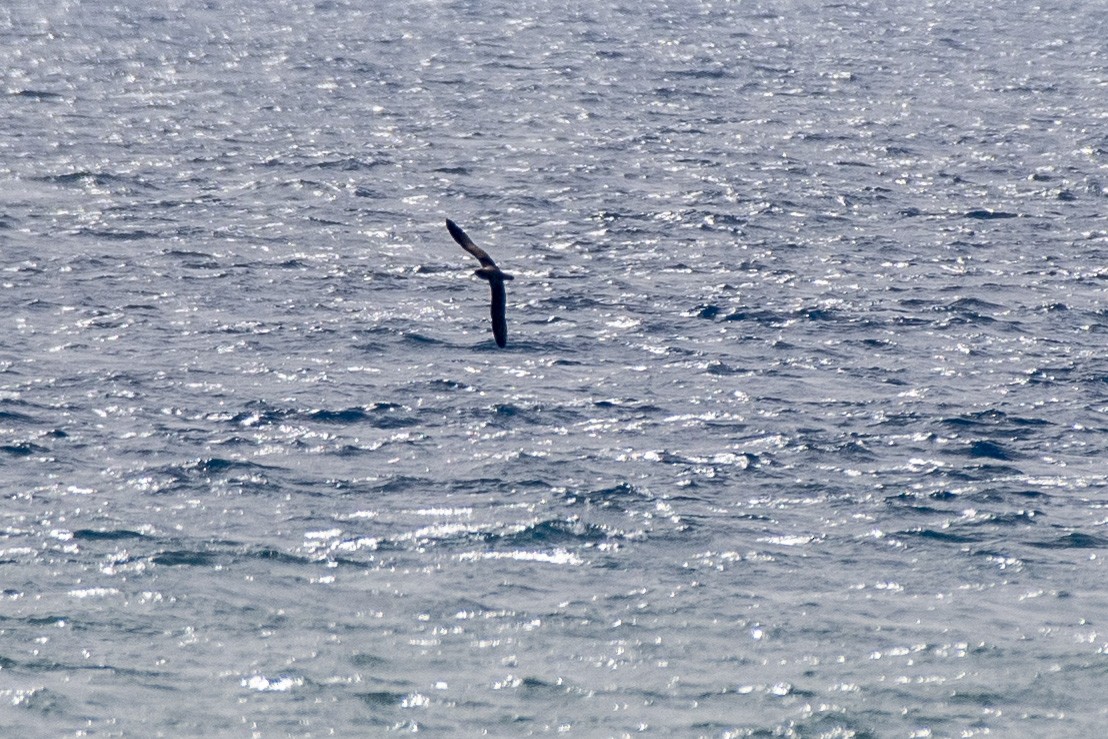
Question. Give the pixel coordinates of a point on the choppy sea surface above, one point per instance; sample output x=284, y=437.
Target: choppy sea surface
x=801, y=429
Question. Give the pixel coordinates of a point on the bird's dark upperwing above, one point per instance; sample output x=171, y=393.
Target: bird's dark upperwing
x=467, y=244
x=499, y=320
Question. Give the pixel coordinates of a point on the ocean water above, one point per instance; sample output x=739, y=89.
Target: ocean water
x=801, y=429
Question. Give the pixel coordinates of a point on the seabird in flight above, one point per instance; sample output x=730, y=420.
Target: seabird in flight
x=489, y=271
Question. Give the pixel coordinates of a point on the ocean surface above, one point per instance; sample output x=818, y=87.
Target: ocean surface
x=801, y=429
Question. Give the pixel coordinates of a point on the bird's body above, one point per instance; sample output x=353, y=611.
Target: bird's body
x=489, y=271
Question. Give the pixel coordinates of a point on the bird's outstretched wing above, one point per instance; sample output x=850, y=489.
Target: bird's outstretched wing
x=499, y=320
x=467, y=244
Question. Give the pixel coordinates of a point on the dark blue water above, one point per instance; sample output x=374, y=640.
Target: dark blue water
x=801, y=428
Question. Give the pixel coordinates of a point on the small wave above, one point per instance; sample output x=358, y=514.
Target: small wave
x=418, y=338
x=942, y=535
x=983, y=214
x=106, y=535
x=105, y=234
x=381, y=698
x=618, y=497
x=972, y=305
x=22, y=449
x=553, y=531
x=210, y=465
x=707, y=311
x=280, y=684
x=253, y=419
x=1074, y=540
x=93, y=592
x=347, y=415
x=350, y=164
x=992, y=417
x=37, y=95
x=185, y=558
x=984, y=449
x=555, y=557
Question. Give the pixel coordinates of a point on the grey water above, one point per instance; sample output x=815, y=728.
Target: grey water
x=801, y=428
